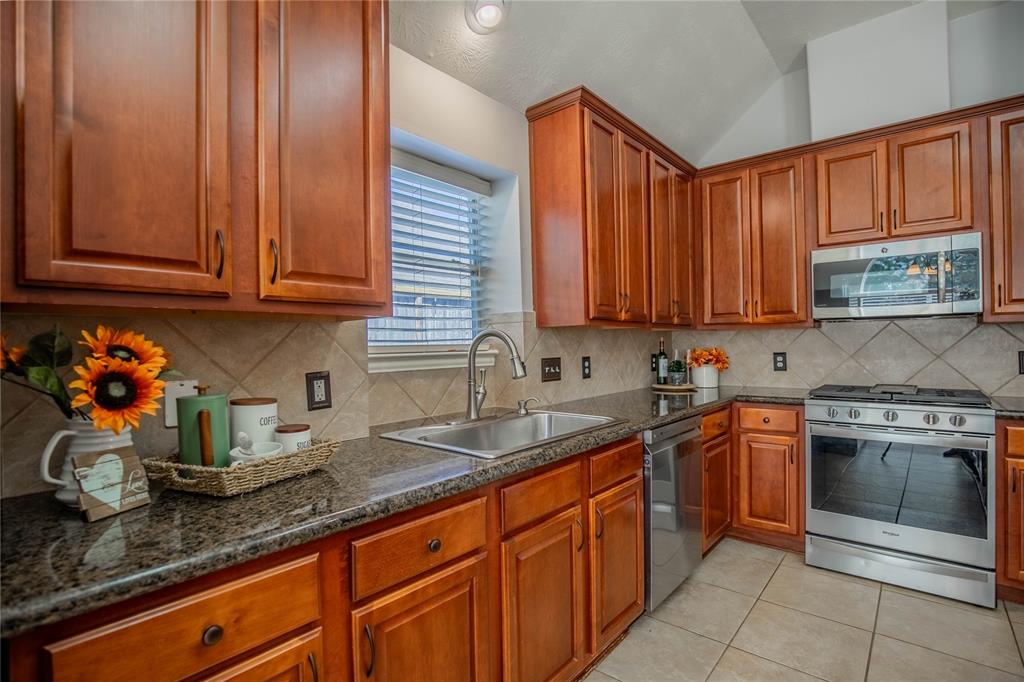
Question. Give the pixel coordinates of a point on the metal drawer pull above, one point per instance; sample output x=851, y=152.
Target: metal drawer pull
x=881, y=219
x=999, y=289
x=212, y=635
x=721, y=425
x=277, y=257
x=766, y=420
x=1013, y=478
x=221, y=248
x=312, y=666
x=791, y=453
x=434, y=545
x=373, y=649
x=894, y=219
x=600, y=526
x=579, y=523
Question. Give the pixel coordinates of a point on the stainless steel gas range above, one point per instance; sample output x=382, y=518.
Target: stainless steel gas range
x=900, y=487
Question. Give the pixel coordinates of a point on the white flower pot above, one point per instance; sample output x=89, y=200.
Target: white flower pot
x=704, y=377
x=85, y=438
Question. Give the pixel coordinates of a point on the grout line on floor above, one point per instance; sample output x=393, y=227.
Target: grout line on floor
x=946, y=653
x=874, y=631
x=1013, y=631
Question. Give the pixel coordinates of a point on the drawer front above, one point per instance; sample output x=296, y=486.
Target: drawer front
x=539, y=496
x=301, y=658
x=1015, y=441
x=614, y=465
x=761, y=419
x=396, y=554
x=244, y=613
x=715, y=424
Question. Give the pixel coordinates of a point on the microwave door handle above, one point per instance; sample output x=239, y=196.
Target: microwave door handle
x=946, y=441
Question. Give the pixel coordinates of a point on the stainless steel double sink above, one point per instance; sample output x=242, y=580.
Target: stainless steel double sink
x=493, y=437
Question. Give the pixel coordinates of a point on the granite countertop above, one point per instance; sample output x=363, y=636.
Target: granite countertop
x=55, y=566
x=1008, y=407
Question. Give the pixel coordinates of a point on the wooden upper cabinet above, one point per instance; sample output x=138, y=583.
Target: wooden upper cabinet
x=725, y=235
x=634, y=250
x=601, y=153
x=124, y=134
x=324, y=154
x=930, y=180
x=616, y=560
x=768, y=495
x=671, y=250
x=777, y=241
x=852, y=193
x=1006, y=137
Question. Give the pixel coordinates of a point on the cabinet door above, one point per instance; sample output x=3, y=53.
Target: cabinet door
x=616, y=560
x=930, y=180
x=297, y=660
x=634, y=251
x=662, y=209
x=768, y=487
x=543, y=600
x=601, y=154
x=1014, y=477
x=778, y=254
x=725, y=231
x=124, y=126
x=434, y=629
x=1006, y=135
x=324, y=152
x=852, y=193
x=682, y=249
x=717, y=489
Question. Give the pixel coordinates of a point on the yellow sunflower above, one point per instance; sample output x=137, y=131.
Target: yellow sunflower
x=120, y=392
x=10, y=356
x=127, y=346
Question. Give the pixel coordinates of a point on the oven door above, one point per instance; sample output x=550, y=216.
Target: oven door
x=938, y=275
x=927, y=494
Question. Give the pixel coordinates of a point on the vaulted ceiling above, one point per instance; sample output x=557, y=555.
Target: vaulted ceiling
x=684, y=70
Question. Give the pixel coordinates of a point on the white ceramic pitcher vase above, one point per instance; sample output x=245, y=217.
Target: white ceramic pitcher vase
x=84, y=438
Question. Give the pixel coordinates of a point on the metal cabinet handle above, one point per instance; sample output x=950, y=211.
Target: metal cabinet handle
x=766, y=420
x=1013, y=480
x=756, y=308
x=373, y=649
x=600, y=525
x=721, y=424
x=999, y=294
x=881, y=219
x=745, y=305
x=221, y=248
x=894, y=219
x=312, y=666
x=212, y=635
x=791, y=454
x=579, y=523
x=277, y=258
x=434, y=545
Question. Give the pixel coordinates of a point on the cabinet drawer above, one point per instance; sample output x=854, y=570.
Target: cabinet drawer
x=248, y=612
x=292, y=660
x=614, y=465
x=396, y=554
x=715, y=424
x=761, y=419
x=539, y=496
x=1015, y=440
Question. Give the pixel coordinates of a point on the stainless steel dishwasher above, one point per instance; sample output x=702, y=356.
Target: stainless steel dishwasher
x=673, y=497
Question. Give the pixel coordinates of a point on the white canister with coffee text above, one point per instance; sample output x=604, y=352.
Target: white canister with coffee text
x=256, y=417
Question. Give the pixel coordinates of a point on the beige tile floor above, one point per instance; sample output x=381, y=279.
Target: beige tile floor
x=755, y=613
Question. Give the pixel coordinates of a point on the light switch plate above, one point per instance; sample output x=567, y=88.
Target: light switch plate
x=550, y=369
x=172, y=391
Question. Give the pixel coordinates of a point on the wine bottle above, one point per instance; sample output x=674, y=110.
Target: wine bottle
x=662, y=363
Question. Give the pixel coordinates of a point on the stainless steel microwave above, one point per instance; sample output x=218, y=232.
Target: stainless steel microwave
x=932, y=276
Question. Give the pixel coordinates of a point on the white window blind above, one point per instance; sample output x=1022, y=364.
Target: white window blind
x=438, y=254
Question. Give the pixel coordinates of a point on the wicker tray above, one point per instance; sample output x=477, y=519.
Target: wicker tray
x=242, y=478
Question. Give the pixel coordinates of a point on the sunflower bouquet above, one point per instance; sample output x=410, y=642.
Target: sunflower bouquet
x=709, y=357
x=119, y=379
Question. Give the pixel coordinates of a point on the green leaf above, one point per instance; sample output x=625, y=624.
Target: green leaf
x=47, y=379
x=49, y=349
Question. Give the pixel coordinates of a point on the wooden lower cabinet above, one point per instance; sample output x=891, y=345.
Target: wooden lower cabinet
x=768, y=480
x=716, y=493
x=433, y=629
x=616, y=560
x=543, y=600
x=297, y=660
x=1013, y=475
x=1010, y=504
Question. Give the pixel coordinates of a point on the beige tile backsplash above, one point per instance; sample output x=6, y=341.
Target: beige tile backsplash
x=250, y=358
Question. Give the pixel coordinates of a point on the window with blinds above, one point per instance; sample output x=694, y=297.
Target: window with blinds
x=438, y=251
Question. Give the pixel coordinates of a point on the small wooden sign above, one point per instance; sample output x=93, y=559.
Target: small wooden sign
x=111, y=481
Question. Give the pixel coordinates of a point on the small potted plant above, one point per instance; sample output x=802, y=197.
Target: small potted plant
x=705, y=364
x=676, y=373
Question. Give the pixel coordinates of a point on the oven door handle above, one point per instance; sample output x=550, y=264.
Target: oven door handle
x=946, y=441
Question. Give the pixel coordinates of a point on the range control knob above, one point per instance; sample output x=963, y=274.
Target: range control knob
x=890, y=415
x=957, y=420
x=854, y=413
x=931, y=419
x=832, y=413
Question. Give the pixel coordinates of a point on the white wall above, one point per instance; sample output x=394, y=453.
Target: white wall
x=880, y=71
x=986, y=54
x=434, y=112
x=779, y=118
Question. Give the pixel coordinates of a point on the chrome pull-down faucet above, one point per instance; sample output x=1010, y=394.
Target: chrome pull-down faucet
x=477, y=393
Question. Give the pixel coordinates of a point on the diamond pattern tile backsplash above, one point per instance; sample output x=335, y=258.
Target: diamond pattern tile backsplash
x=256, y=358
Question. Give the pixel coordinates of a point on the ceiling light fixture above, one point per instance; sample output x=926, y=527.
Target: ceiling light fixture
x=484, y=16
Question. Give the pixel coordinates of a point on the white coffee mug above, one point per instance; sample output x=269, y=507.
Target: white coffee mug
x=256, y=417
x=294, y=437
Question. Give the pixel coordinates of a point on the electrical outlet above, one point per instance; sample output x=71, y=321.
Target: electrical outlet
x=550, y=369
x=586, y=366
x=654, y=362
x=779, y=362
x=318, y=390
x=1020, y=361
